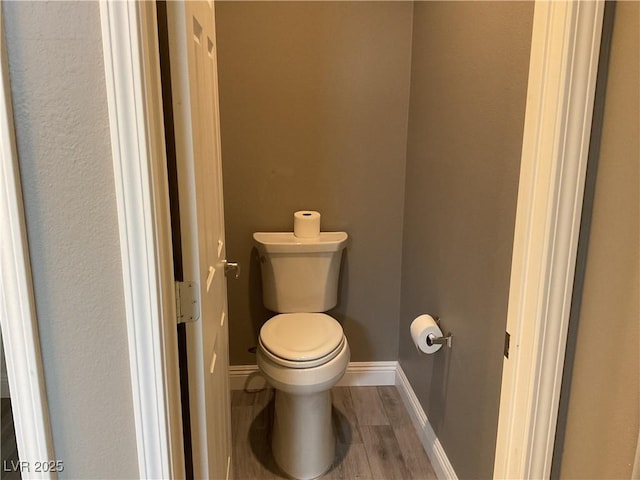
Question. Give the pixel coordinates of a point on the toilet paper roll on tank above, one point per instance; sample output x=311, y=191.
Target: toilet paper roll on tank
x=306, y=224
x=424, y=330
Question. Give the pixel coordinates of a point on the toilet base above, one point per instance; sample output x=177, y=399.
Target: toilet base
x=303, y=440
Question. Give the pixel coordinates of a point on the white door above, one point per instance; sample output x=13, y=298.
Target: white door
x=195, y=104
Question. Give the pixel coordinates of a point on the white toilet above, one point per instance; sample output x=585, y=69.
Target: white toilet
x=302, y=352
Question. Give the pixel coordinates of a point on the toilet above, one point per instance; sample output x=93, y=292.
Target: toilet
x=302, y=352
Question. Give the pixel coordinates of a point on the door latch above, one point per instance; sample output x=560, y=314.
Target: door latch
x=231, y=267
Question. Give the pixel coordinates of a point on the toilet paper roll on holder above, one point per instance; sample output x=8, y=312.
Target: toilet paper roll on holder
x=444, y=340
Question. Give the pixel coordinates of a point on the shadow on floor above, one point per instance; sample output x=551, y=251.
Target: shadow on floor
x=260, y=439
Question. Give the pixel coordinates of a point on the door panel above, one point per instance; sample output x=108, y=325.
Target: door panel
x=195, y=102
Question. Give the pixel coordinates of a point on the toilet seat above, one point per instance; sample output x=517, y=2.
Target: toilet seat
x=301, y=340
x=301, y=364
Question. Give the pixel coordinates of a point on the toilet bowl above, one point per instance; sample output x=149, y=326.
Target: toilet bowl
x=302, y=352
x=303, y=363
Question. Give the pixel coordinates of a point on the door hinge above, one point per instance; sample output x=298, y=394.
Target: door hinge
x=187, y=307
x=507, y=340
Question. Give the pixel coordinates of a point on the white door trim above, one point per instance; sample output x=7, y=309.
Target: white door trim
x=562, y=76
x=130, y=45
x=17, y=301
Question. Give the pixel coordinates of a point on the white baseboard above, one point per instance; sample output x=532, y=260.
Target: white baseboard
x=358, y=374
x=245, y=377
x=430, y=442
x=369, y=374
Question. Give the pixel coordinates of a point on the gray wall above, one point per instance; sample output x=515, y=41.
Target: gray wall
x=4, y=392
x=468, y=89
x=599, y=422
x=60, y=109
x=314, y=102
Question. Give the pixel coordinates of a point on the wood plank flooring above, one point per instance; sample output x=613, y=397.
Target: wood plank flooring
x=375, y=437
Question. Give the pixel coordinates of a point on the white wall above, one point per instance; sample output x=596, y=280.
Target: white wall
x=60, y=108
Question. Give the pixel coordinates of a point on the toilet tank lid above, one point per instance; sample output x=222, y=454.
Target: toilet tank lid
x=287, y=242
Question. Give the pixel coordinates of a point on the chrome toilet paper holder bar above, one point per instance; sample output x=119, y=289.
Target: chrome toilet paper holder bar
x=444, y=340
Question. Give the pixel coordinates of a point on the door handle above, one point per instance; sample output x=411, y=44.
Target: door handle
x=231, y=267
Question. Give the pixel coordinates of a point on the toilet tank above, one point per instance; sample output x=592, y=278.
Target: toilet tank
x=299, y=274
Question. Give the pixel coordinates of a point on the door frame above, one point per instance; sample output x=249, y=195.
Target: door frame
x=17, y=301
x=563, y=68
x=563, y=65
x=134, y=95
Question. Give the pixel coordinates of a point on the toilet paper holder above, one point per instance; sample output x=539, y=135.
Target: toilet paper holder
x=444, y=340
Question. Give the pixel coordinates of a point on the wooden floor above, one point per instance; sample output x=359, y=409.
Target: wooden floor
x=375, y=437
